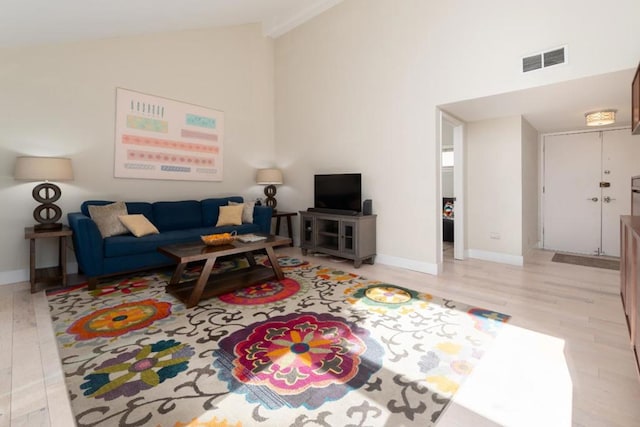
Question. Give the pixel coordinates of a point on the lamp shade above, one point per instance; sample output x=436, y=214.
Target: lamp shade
x=43, y=169
x=269, y=176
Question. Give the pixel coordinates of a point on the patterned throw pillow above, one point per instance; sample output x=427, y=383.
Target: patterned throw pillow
x=106, y=218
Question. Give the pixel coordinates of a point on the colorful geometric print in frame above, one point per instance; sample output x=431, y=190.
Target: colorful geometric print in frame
x=160, y=138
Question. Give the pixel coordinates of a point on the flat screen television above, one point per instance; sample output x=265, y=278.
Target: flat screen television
x=338, y=192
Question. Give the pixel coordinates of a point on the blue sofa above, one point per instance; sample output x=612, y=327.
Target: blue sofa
x=177, y=222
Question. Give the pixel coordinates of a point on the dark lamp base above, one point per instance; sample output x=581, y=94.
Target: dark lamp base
x=270, y=192
x=47, y=214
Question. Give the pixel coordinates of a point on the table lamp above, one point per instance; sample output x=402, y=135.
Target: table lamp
x=47, y=214
x=270, y=178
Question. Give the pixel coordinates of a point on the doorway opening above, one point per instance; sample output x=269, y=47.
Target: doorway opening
x=451, y=194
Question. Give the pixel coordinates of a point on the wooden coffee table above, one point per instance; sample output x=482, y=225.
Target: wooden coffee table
x=208, y=285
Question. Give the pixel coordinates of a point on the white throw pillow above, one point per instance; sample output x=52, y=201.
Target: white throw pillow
x=247, y=211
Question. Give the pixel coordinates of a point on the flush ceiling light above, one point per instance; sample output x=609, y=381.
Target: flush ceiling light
x=601, y=118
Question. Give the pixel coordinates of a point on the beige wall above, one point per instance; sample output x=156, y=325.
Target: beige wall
x=494, y=187
x=357, y=89
x=347, y=102
x=60, y=100
x=530, y=186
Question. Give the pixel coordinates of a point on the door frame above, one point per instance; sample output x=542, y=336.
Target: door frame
x=458, y=184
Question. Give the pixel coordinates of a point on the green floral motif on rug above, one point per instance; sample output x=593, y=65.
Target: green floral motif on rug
x=321, y=347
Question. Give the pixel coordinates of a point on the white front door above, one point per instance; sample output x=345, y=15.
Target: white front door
x=572, y=193
x=579, y=215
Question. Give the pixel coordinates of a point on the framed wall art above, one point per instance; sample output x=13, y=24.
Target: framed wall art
x=160, y=138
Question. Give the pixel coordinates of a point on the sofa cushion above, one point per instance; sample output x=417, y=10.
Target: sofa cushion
x=107, y=218
x=130, y=245
x=118, y=246
x=182, y=215
x=230, y=215
x=138, y=225
x=142, y=208
x=211, y=209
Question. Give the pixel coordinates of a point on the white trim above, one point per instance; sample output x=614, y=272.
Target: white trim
x=276, y=29
x=409, y=264
x=438, y=184
x=19, y=276
x=458, y=183
x=458, y=191
x=591, y=130
x=496, y=257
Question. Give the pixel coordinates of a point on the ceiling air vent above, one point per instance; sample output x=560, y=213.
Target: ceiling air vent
x=544, y=60
x=531, y=63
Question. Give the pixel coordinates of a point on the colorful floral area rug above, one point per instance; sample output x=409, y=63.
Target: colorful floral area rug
x=319, y=348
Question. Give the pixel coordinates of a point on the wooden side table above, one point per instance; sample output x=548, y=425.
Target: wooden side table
x=278, y=216
x=48, y=274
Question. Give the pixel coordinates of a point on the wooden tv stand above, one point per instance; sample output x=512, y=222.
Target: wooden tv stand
x=345, y=236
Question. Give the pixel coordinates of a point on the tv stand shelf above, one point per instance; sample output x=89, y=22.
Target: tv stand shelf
x=346, y=236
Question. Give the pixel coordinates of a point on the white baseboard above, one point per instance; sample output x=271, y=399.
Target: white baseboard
x=409, y=264
x=496, y=257
x=14, y=276
x=17, y=276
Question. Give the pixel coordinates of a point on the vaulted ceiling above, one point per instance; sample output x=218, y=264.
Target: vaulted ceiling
x=550, y=108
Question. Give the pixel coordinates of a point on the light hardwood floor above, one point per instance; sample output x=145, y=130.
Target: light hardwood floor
x=563, y=359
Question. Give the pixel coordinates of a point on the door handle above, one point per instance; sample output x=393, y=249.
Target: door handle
x=607, y=199
x=593, y=199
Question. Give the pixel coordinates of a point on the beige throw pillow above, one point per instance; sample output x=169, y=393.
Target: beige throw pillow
x=138, y=225
x=247, y=211
x=230, y=215
x=106, y=218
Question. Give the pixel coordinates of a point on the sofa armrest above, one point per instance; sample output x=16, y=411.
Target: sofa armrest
x=87, y=243
x=262, y=217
